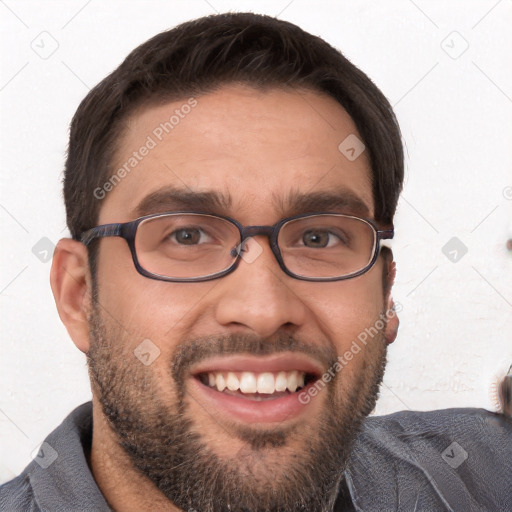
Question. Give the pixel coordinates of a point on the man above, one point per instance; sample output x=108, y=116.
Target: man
x=228, y=189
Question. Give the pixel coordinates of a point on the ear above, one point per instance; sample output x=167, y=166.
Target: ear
x=71, y=286
x=388, y=278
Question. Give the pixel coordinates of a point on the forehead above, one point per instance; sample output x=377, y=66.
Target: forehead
x=255, y=155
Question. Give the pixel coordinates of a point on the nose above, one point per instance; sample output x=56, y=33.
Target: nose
x=258, y=296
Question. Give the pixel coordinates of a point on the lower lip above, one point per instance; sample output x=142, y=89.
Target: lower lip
x=251, y=411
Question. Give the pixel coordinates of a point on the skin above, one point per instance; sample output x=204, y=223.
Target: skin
x=255, y=147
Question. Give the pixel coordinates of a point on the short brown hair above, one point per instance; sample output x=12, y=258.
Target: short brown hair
x=200, y=56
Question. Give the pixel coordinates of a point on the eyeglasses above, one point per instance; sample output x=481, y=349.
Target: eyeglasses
x=190, y=246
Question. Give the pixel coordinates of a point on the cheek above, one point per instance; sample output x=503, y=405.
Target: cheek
x=144, y=308
x=346, y=308
x=349, y=314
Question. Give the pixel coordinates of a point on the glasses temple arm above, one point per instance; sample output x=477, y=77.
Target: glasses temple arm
x=386, y=234
x=101, y=232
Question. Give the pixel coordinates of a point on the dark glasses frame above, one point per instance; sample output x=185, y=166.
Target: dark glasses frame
x=128, y=230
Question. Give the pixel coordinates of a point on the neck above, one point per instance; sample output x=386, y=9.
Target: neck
x=123, y=486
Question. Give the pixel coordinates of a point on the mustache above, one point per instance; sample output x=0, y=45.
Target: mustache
x=190, y=352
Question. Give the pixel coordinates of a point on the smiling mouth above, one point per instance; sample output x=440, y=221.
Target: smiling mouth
x=257, y=386
x=256, y=390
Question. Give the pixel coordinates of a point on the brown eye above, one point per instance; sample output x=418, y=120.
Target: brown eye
x=316, y=239
x=187, y=236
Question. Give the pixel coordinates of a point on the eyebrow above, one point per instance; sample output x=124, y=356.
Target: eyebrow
x=170, y=199
x=342, y=201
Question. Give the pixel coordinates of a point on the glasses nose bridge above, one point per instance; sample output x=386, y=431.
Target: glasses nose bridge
x=250, y=231
x=268, y=231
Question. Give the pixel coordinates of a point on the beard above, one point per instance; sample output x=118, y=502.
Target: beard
x=279, y=469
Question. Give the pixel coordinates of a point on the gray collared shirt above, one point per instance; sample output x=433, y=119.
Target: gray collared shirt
x=447, y=460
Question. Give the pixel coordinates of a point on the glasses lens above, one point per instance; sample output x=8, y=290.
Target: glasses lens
x=186, y=246
x=324, y=246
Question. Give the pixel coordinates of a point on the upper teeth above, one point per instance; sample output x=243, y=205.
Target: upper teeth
x=250, y=382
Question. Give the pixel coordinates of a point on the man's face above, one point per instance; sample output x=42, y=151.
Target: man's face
x=264, y=154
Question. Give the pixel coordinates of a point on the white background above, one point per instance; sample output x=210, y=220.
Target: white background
x=456, y=118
